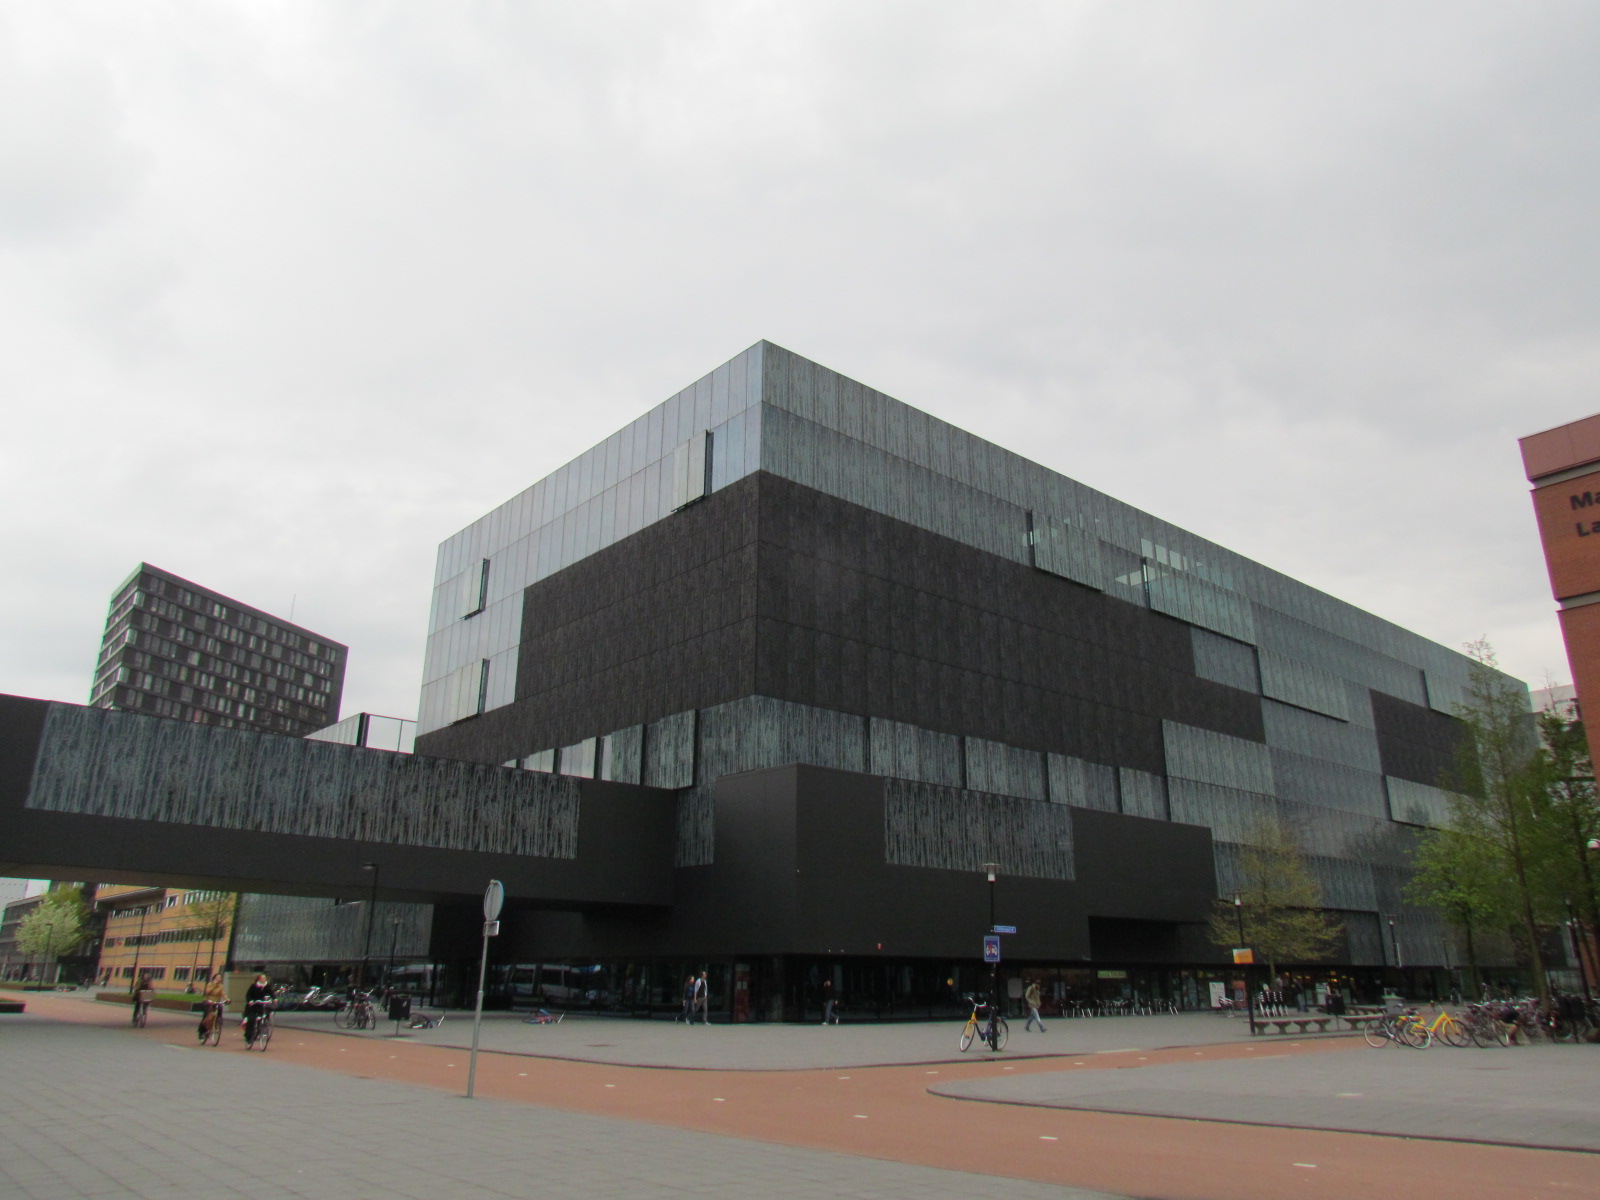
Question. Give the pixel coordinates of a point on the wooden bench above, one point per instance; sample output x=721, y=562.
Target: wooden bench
x=11, y=1006
x=1302, y=1024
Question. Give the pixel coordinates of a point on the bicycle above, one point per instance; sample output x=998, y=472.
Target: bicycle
x=257, y=1038
x=1404, y=1029
x=358, y=1014
x=994, y=1030
x=1444, y=1028
x=141, y=1007
x=210, y=1031
x=421, y=1020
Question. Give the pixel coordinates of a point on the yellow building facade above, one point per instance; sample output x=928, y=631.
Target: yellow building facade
x=175, y=935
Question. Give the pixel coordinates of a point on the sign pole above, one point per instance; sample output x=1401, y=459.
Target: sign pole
x=493, y=897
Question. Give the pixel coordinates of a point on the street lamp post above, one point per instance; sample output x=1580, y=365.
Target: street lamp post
x=991, y=870
x=1249, y=1000
x=372, y=904
x=1394, y=944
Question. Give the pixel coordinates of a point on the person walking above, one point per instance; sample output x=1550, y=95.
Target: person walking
x=1031, y=999
x=687, y=1015
x=702, y=999
x=830, y=1004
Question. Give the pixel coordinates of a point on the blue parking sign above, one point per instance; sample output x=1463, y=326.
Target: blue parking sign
x=991, y=948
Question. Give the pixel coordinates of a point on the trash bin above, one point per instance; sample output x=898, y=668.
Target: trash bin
x=400, y=1007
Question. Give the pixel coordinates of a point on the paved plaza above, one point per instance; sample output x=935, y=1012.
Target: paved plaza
x=90, y=1112
x=1542, y=1095
x=663, y=1043
x=1176, y=1108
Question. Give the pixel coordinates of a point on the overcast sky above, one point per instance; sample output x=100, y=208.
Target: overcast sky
x=291, y=292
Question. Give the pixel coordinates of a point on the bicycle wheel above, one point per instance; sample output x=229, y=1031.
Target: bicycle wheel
x=1453, y=1033
x=967, y=1034
x=369, y=1017
x=263, y=1034
x=1414, y=1034
x=142, y=1015
x=1376, y=1033
x=215, y=1036
x=998, y=1035
x=345, y=1018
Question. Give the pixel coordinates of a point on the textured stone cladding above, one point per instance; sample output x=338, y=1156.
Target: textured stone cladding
x=96, y=762
x=770, y=588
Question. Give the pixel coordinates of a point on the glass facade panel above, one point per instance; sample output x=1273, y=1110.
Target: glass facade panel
x=669, y=751
x=1223, y=660
x=577, y=760
x=1062, y=550
x=1143, y=794
x=612, y=490
x=903, y=751
x=1417, y=803
x=1004, y=770
x=956, y=829
x=1315, y=736
x=106, y=763
x=299, y=929
x=622, y=755
x=1207, y=757
x=1299, y=683
x=1083, y=784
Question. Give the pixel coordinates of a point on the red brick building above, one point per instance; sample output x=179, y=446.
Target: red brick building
x=1563, y=464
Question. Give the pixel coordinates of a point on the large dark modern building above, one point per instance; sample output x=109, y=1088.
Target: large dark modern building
x=175, y=649
x=869, y=652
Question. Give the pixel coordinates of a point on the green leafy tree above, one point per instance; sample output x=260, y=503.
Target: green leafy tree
x=1461, y=876
x=213, y=916
x=1281, y=904
x=1500, y=798
x=56, y=925
x=1570, y=818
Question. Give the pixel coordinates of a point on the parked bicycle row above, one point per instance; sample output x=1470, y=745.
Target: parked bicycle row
x=1568, y=1019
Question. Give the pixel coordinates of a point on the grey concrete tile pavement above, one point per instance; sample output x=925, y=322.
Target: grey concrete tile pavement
x=661, y=1043
x=1540, y=1096
x=91, y=1111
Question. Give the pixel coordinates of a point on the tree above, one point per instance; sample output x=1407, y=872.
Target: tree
x=1571, y=818
x=1281, y=903
x=213, y=915
x=57, y=924
x=1462, y=878
x=1499, y=795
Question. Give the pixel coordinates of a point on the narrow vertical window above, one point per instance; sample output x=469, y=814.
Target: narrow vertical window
x=474, y=593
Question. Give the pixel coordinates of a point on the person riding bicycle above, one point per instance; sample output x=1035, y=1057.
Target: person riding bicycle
x=214, y=998
x=256, y=1002
x=141, y=985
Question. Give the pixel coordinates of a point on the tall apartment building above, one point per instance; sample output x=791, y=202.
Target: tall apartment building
x=175, y=649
